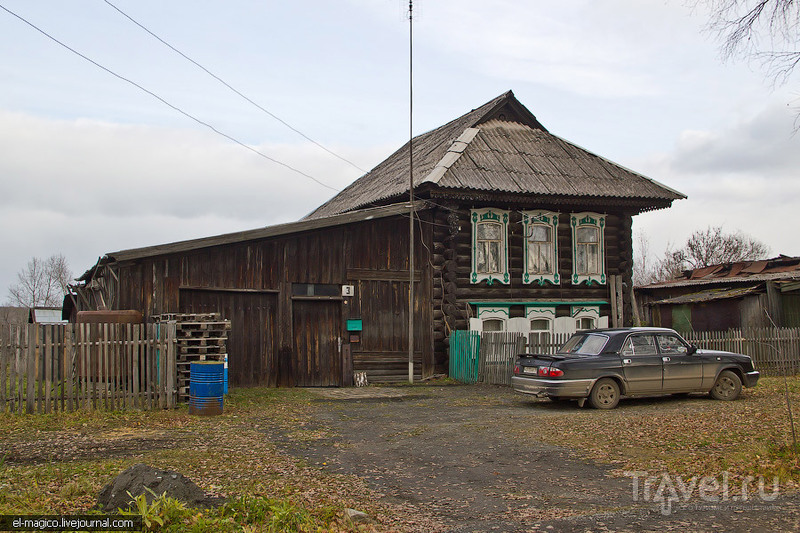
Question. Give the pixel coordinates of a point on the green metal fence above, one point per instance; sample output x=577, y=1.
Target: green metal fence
x=464, y=349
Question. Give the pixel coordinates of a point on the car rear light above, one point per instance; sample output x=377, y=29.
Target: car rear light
x=516, y=370
x=550, y=372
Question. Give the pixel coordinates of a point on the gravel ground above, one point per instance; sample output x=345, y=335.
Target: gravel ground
x=452, y=455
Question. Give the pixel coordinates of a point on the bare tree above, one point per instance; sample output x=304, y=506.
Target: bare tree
x=703, y=248
x=644, y=264
x=42, y=282
x=713, y=247
x=765, y=30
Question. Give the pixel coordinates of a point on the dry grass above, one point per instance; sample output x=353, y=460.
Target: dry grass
x=693, y=436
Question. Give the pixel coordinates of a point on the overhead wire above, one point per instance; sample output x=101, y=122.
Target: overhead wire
x=168, y=104
x=226, y=84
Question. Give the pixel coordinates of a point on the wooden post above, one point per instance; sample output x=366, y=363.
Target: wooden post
x=137, y=365
x=620, y=301
x=612, y=286
x=170, y=368
x=5, y=347
x=70, y=350
x=30, y=389
x=48, y=365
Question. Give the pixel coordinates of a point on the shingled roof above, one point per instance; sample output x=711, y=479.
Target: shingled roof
x=499, y=147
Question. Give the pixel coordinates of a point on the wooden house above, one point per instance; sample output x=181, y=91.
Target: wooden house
x=742, y=294
x=517, y=229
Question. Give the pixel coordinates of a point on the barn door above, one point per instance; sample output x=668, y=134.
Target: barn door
x=317, y=329
x=251, y=341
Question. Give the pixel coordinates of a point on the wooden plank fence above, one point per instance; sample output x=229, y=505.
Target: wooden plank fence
x=775, y=351
x=65, y=367
x=489, y=357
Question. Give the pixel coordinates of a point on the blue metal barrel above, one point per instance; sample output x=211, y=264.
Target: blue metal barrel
x=205, y=387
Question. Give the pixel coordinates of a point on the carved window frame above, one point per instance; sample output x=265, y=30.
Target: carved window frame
x=530, y=220
x=496, y=218
x=581, y=251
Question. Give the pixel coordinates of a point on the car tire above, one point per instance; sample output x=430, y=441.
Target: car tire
x=605, y=394
x=728, y=386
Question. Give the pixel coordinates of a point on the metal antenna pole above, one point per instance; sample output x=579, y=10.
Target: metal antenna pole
x=410, y=195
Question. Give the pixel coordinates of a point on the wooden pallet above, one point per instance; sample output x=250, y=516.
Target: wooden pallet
x=199, y=337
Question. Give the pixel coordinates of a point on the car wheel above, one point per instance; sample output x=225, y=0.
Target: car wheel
x=605, y=394
x=727, y=387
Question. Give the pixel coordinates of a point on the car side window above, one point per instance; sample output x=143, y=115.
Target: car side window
x=670, y=344
x=640, y=345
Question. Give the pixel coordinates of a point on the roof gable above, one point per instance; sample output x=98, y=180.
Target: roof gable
x=498, y=147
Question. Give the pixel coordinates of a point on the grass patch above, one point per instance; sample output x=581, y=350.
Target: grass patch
x=59, y=462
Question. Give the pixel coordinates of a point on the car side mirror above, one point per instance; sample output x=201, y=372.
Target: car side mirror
x=692, y=349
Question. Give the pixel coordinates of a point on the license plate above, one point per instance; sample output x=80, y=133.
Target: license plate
x=529, y=370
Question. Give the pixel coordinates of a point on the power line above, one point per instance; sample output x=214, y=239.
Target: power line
x=172, y=106
x=226, y=84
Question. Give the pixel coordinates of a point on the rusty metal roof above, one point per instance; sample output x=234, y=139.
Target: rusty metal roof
x=778, y=268
x=709, y=296
x=500, y=147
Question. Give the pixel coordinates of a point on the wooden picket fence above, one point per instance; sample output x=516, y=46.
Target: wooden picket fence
x=775, y=351
x=65, y=367
x=489, y=357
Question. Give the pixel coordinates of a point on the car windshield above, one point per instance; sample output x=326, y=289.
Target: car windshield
x=584, y=344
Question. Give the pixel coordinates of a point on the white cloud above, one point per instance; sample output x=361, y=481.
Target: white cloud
x=743, y=176
x=86, y=188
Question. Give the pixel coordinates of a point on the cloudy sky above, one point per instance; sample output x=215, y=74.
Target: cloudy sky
x=91, y=164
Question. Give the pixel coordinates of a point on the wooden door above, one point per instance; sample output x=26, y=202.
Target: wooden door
x=251, y=344
x=317, y=330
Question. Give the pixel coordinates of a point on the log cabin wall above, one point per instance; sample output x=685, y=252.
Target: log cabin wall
x=283, y=297
x=452, y=289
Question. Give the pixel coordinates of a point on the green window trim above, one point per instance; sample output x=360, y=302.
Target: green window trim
x=588, y=248
x=489, y=250
x=545, y=222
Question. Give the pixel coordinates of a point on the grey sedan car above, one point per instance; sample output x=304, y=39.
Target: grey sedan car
x=603, y=364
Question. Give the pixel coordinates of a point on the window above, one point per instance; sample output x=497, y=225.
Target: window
x=670, y=344
x=640, y=345
x=587, y=317
x=588, y=253
x=489, y=250
x=591, y=344
x=493, y=324
x=539, y=338
x=541, y=247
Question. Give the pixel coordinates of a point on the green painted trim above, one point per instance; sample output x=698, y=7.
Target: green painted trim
x=539, y=304
x=494, y=309
x=495, y=216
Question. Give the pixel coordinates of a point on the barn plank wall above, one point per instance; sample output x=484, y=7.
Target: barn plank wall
x=452, y=290
x=250, y=283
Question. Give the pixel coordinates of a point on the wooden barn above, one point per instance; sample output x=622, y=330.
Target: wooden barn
x=518, y=230
x=742, y=294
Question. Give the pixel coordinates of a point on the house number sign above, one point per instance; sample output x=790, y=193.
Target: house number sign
x=348, y=290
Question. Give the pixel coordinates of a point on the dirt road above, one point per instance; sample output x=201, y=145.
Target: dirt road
x=452, y=454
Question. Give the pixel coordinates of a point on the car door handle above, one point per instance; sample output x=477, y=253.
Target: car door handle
x=665, y=359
